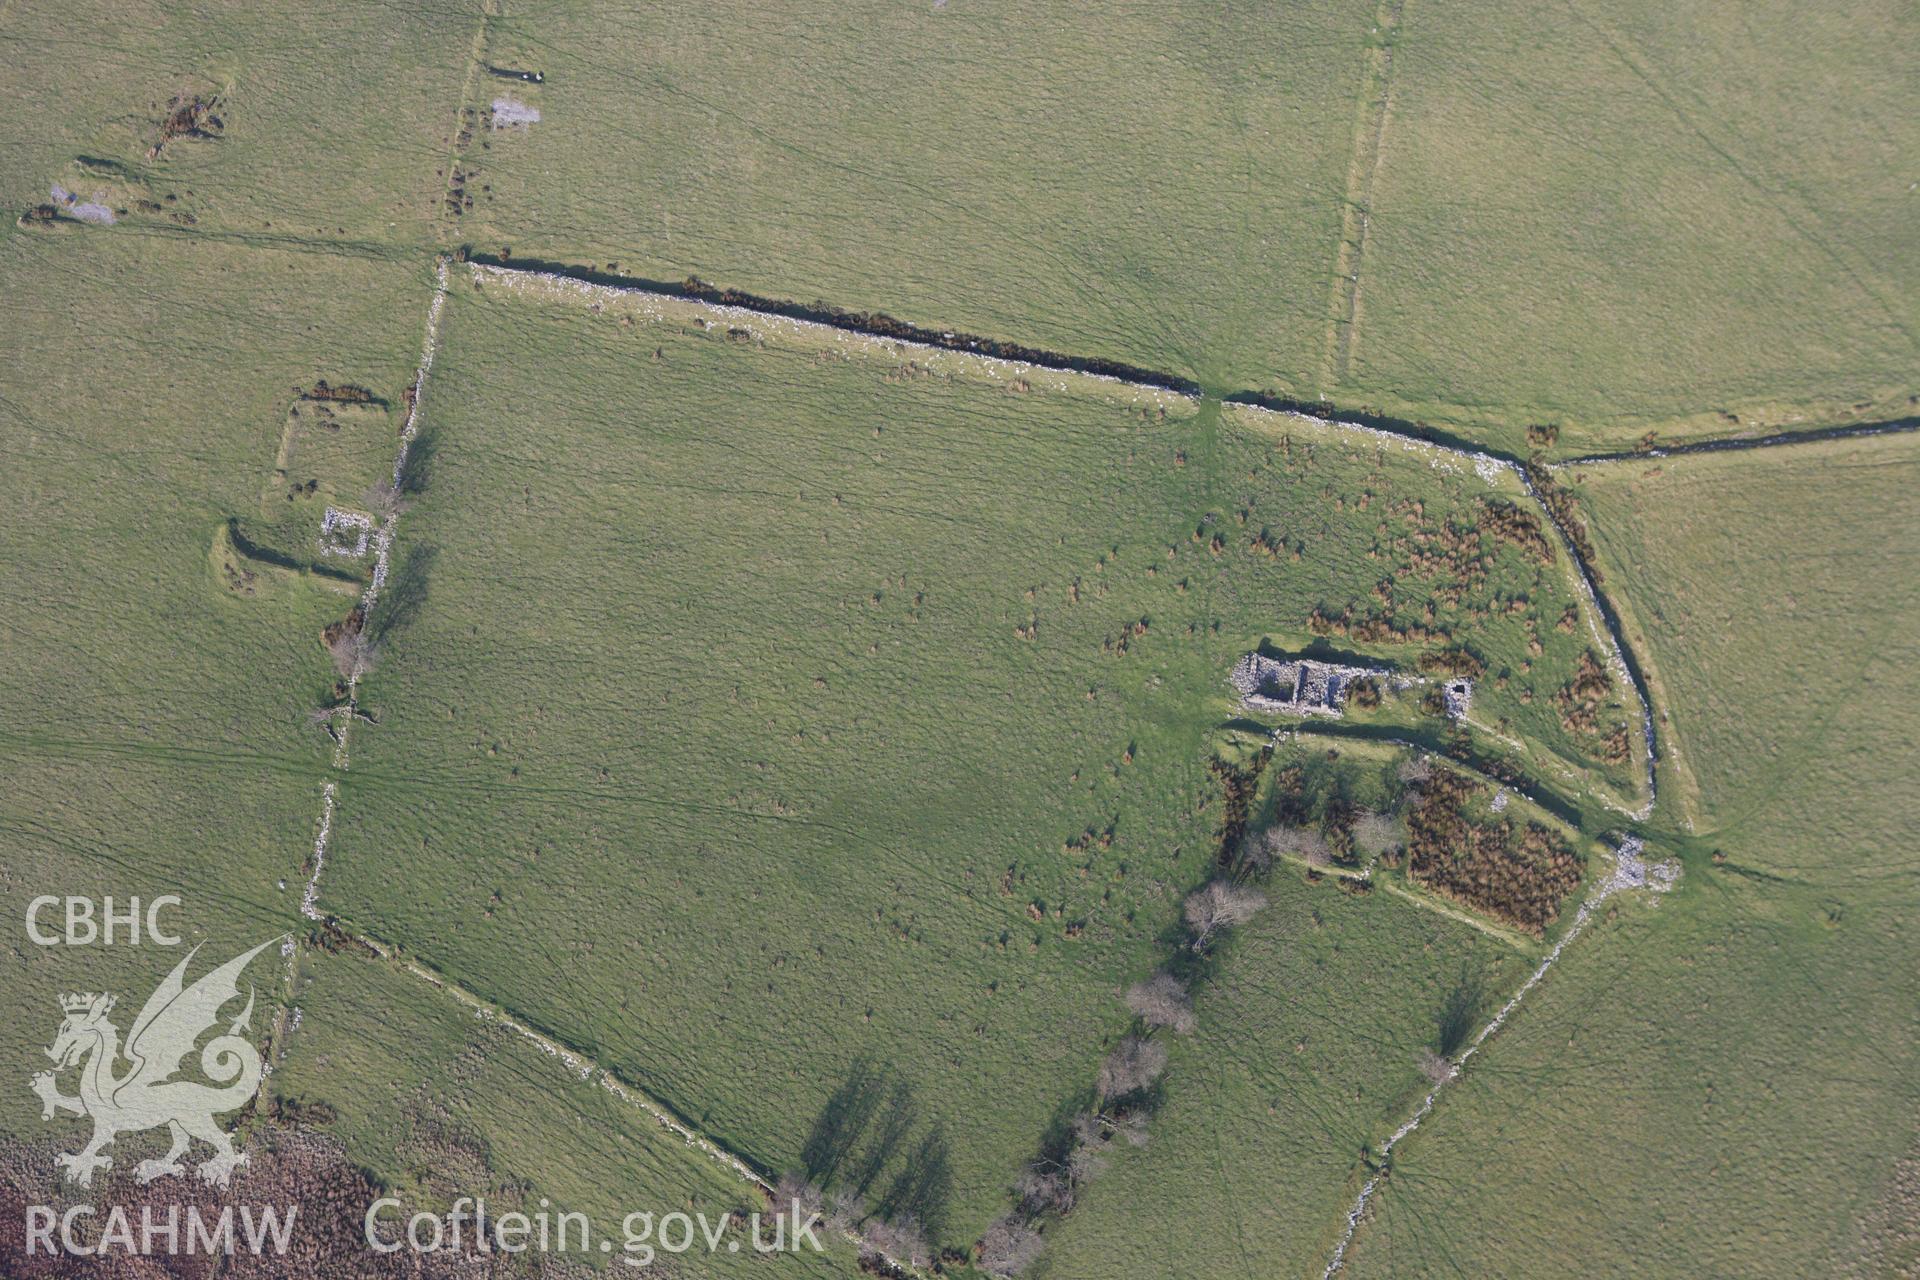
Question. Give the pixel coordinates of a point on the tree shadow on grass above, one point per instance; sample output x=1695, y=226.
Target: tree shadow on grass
x=861, y=1140
x=1458, y=1016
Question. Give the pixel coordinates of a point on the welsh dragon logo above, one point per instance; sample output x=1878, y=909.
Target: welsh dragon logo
x=145, y=1095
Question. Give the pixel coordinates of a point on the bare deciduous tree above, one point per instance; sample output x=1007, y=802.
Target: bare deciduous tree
x=1415, y=769
x=1433, y=1066
x=1253, y=858
x=1133, y=1127
x=845, y=1211
x=1161, y=1001
x=385, y=501
x=1087, y=1161
x=1298, y=842
x=1009, y=1247
x=1044, y=1190
x=902, y=1240
x=1375, y=833
x=1133, y=1065
x=795, y=1192
x=354, y=654
x=1220, y=905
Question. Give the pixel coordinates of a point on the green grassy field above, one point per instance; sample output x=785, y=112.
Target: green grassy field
x=1596, y=221
x=1774, y=595
x=157, y=684
x=443, y=1105
x=1640, y=220
x=1644, y=216
x=331, y=124
x=1725, y=1082
x=774, y=714
x=164, y=738
x=932, y=162
x=1305, y=1055
x=157, y=735
x=721, y=628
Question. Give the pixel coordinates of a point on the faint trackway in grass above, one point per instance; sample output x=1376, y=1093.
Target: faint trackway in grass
x=1373, y=106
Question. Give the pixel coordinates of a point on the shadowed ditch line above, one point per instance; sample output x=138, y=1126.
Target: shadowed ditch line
x=876, y=324
x=1892, y=426
x=279, y=559
x=1578, y=552
x=1434, y=744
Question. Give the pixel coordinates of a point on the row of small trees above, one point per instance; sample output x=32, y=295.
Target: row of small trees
x=1124, y=1090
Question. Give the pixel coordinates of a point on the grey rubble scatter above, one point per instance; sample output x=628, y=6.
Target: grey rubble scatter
x=1632, y=870
x=82, y=210
x=344, y=533
x=1305, y=687
x=510, y=112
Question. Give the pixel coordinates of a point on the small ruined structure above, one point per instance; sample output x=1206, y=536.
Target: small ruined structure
x=1633, y=871
x=344, y=533
x=1298, y=686
x=1308, y=687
